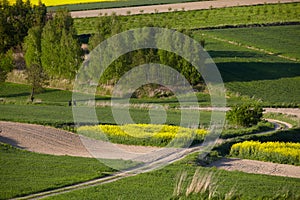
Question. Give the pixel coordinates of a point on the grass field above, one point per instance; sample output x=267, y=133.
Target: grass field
x=281, y=40
x=260, y=14
x=164, y=184
x=268, y=78
x=24, y=172
x=61, y=115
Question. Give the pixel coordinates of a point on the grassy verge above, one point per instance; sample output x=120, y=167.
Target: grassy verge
x=24, y=172
x=294, y=120
x=260, y=14
x=179, y=180
x=233, y=132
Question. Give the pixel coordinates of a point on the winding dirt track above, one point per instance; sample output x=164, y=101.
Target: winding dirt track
x=165, y=8
x=49, y=140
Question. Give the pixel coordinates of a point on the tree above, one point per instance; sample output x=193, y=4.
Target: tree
x=60, y=49
x=16, y=20
x=32, y=46
x=6, y=64
x=245, y=115
x=36, y=76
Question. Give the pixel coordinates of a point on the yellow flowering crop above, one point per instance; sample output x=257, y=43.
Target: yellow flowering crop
x=141, y=134
x=62, y=2
x=281, y=152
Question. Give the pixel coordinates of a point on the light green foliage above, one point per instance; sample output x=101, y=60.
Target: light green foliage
x=36, y=76
x=60, y=49
x=245, y=115
x=6, y=64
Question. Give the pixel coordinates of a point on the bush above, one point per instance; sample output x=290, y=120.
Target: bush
x=245, y=115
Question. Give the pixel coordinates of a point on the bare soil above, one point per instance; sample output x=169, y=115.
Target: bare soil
x=48, y=140
x=257, y=167
x=165, y=8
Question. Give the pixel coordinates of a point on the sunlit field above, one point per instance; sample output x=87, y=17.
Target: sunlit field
x=63, y=2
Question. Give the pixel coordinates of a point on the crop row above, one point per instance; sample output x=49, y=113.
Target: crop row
x=144, y=134
x=261, y=14
x=279, y=152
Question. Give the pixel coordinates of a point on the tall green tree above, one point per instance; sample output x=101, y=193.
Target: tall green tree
x=6, y=64
x=61, y=53
x=36, y=76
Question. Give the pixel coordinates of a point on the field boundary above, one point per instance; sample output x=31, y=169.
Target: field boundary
x=251, y=48
x=202, y=5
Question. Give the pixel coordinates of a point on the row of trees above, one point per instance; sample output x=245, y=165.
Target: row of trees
x=52, y=51
x=110, y=25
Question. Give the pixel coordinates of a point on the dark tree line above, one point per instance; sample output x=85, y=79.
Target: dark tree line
x=110, y=25
x=15, y=21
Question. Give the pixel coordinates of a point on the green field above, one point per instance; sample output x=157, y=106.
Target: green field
x=161, y=184
x=59, y=116
x=268, y=78
x=24, y=172
x=281, y=40
x=115, y=4
x=233, y=16
x=249, y=76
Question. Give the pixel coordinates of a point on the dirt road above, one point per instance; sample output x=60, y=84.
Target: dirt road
x=166, y=8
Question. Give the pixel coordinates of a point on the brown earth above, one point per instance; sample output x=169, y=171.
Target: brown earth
x=181, y=6
x=257, y=167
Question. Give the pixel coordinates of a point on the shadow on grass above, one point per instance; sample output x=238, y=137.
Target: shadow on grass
x=251, y=71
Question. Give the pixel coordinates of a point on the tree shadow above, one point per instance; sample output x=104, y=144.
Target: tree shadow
x=251, y=71
x=15, y=95
x=10, y=141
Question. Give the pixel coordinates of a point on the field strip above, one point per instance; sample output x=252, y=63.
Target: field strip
x=257, y=167
x=83, y=185
x=172, y=7
x=251, y=47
